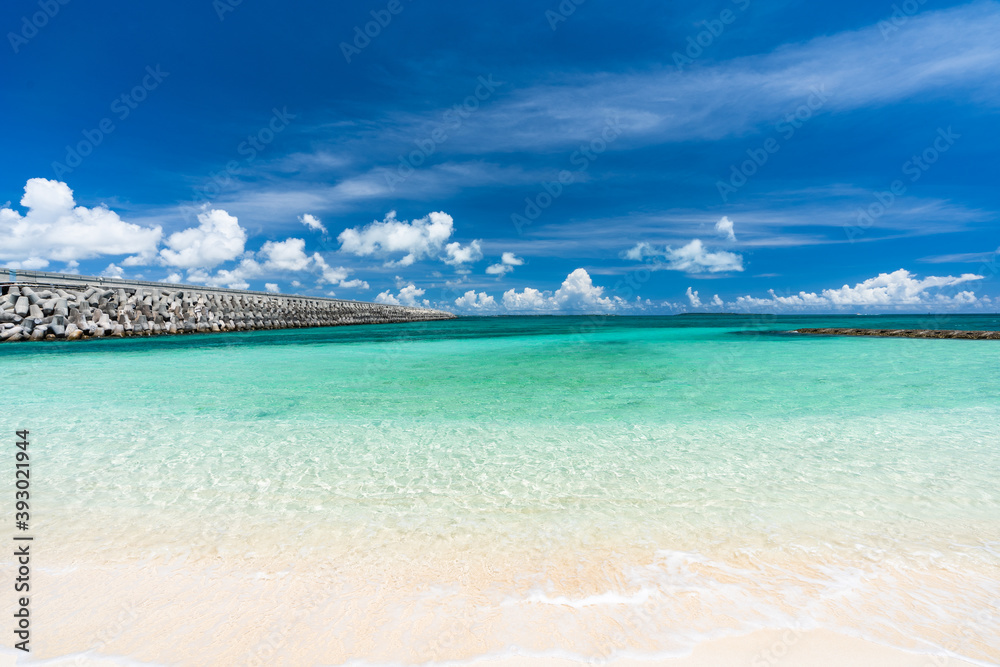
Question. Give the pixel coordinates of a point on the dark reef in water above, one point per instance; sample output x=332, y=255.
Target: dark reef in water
x=906, y=333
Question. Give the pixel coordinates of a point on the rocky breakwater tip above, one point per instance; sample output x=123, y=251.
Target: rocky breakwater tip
x=906, y=333
x=37, y=312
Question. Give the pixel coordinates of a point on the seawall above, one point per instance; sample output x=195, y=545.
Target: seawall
x=49, y=306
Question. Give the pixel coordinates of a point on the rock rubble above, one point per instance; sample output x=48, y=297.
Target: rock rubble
x=40, y=312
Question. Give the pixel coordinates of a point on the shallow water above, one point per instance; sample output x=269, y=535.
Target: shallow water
x=573, y=485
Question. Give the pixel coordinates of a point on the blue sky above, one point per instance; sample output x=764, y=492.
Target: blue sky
x=523, y=157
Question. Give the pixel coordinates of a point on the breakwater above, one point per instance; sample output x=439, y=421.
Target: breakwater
x=47, y=306
x=907, y=333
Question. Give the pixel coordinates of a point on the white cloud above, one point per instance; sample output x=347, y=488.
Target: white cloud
x=417, y=239
x=716, y=301
x=693, y=298
x=528, y=299
x=55, y=228
x=174, y=278
x=473, y=301
x=577, y=293
x=406, y=297
x=899, y=289
x=691, y=258
x=290, y=256
x=695, y=258
x=355, y=284
x=956, y=59
x=329, y=274
x=287, y=255
x=235, y=278
x=113, y=271
x=964, y=258
x=456, y=254
x=639, y=252
x=725, y=228
x=312, y=222
x=272, y=287
x=29, y=264
x=508, y=261
x=140, y=260
x=218, y=238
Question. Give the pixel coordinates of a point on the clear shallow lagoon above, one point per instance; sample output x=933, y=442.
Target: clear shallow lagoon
x=560, y=485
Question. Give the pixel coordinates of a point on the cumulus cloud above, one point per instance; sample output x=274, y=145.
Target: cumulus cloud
x=407, y=296
x=329, y=274
x=885, y=291
x=312, y=222
x=424, y=237
x=54, y=228
x=725, y=228
x=30, y=264
x=898, y=287
x=639, y=252
x=235, y=278
x=577, y=293
x=691, y=258
x=144, y=259
x=456, y=254
x=528, y=299
x=218, y=238
x=693, y=298
x=506, y=264
x=113, y=271
x=272, y=287
x=695, y=258
x=287, y=255
x=473, y=301
x=716, y=301
x=355, y=284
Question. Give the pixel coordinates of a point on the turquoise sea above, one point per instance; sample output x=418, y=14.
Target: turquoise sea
x=580, y=486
